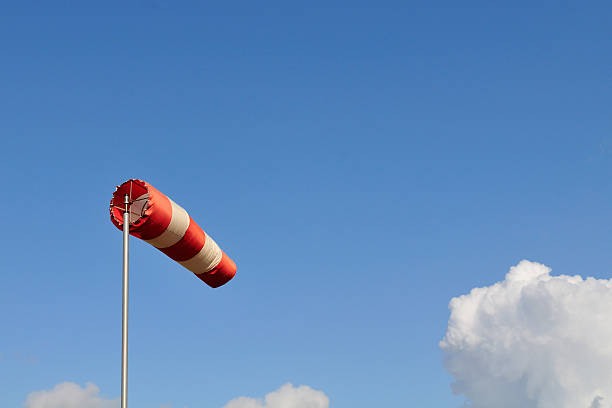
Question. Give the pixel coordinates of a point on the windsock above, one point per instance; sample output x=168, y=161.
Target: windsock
x=158, y=220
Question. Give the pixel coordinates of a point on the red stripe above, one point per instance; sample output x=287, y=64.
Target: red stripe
x=221, y=274
x=133, y=188
x=189, y=246
x=159, y=215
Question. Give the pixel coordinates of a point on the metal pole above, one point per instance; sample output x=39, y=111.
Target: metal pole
x=124, y=337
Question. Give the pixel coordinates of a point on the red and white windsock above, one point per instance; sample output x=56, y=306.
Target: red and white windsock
x=161, y=222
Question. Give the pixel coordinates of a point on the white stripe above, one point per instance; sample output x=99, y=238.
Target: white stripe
x=175, y=231
x=205, y=260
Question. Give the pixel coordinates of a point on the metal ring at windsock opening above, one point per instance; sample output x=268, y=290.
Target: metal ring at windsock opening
x=161, y=222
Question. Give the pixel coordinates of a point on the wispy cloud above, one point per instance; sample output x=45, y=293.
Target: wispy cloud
x=532, y=341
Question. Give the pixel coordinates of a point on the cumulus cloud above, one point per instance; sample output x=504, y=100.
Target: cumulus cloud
x=286, y=396
x=70, y=395
x=532, y=341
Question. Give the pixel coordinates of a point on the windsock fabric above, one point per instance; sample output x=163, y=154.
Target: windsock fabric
x=161, y=222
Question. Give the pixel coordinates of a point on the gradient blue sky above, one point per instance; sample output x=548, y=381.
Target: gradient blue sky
x=362, y=163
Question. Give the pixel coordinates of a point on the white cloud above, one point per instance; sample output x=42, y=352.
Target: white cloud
x=532, y=341
x=286, y=396
x=69, y=395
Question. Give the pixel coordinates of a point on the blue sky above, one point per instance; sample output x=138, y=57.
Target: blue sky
x=361, y=164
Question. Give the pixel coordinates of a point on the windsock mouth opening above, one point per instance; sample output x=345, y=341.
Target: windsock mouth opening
x=138, y=197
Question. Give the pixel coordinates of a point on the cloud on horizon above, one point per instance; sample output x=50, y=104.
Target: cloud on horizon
x=286, y=396
x=532, y=341
x=71, y=395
